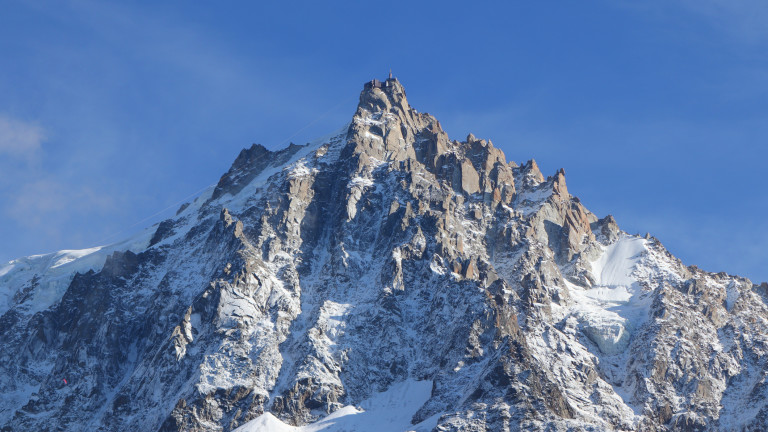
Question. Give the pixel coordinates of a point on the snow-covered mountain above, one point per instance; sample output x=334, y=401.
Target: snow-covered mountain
x=382, y=278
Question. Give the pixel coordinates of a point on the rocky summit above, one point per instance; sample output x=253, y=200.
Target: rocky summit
x=383, y=278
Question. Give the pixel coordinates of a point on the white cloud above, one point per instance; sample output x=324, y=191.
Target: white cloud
x=19, y=138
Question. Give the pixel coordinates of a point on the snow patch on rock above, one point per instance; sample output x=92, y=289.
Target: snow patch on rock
x=615, y=305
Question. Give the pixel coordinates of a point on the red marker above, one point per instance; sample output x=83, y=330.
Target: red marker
x=65, y=381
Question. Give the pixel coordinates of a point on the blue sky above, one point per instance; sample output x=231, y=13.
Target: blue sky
x=657, y=110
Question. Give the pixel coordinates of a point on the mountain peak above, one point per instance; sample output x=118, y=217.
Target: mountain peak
x=384, y=259
x=384, y=95
x=384, y=125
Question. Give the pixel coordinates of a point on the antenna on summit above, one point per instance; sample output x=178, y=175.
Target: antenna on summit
x=390, y=73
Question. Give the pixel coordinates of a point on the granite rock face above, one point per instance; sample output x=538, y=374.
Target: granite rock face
x=314, y=277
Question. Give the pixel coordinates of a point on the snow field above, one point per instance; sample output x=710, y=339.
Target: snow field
x=388, y=411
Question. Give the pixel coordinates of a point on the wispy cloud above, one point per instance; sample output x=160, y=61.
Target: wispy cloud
x=744, y=20
x=19, y=138
x=39, y=202
x=740, y=21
